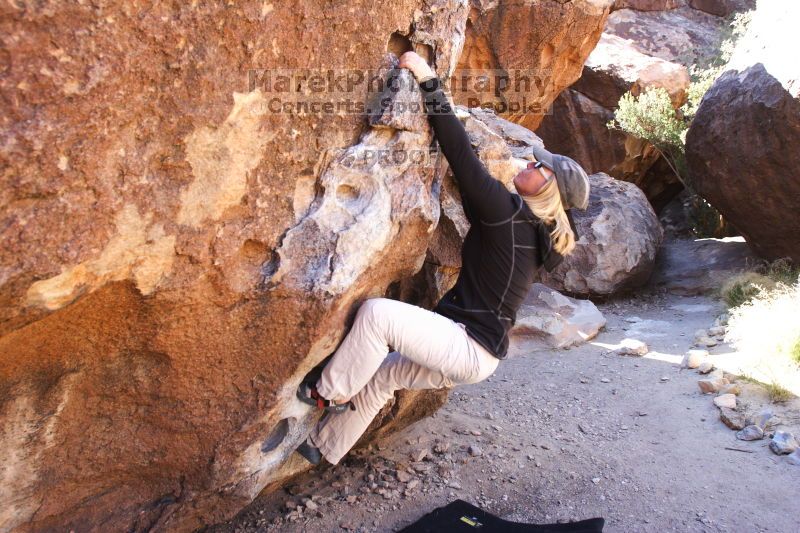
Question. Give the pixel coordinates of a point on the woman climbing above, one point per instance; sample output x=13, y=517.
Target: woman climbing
x=394, y=345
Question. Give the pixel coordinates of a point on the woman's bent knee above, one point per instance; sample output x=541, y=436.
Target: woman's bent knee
x=374, y=309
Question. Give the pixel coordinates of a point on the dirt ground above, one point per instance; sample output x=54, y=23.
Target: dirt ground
x=566, y=435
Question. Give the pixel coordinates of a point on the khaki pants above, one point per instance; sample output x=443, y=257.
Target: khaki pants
x=431, y=351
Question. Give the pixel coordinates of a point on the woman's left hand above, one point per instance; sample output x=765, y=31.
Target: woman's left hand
x=418, y=66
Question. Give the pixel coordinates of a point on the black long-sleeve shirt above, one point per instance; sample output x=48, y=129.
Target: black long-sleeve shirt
x=505, y=245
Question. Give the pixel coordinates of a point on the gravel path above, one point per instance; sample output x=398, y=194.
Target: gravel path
x=560, y=435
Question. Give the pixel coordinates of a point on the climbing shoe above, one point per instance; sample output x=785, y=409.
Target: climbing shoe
x=307, y=393
x=310, y=452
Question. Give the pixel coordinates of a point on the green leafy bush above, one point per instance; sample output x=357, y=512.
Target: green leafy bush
x=652, y=117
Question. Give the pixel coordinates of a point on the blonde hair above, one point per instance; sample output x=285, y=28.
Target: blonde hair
x=546, y=205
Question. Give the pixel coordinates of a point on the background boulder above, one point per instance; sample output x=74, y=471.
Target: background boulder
x=637, y=50
x=749, y=172
x=619, y=238
x=701, y=266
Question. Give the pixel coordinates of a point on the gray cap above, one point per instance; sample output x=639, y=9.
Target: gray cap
x=573, y=183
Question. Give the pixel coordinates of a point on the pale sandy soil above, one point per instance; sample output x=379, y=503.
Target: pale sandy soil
x=566, y=435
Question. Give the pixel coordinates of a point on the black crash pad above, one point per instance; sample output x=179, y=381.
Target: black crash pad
x=461, y=516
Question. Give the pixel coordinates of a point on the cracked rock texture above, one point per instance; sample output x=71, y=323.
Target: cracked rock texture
x=742, y=146
x=177, y=254
x=547, y=40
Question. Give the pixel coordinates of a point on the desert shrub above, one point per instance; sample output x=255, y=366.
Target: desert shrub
x=781, y=271
x=766, y=276
x=651, y=116
x=742, y=288
x=778, y=393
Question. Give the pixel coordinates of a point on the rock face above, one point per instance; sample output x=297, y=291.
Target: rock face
x=649, y=5
x=177, y=253
x=547, y=40
x=746, y=170
x=635, y=52
x=619, y=236
x=548, y=319
x=700, y=266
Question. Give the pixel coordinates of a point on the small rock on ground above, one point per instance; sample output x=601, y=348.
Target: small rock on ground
x=750, y=433
x=794, y=458
x=761, y=418
x=633, y=347
x=711, y=385
x=726, y=400
x=783, y=443
x=732, y=418
x=705, y=367
x=695, y=358
x=731, y=388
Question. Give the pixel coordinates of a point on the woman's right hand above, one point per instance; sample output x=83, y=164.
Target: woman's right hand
x=418, y=66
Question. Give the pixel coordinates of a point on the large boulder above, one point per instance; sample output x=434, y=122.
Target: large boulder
x=178, y=252
x=742, y=145
x=700, y=266
x=542, y=45
x=631, y=55
x=619, y=237
x=547, y=319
